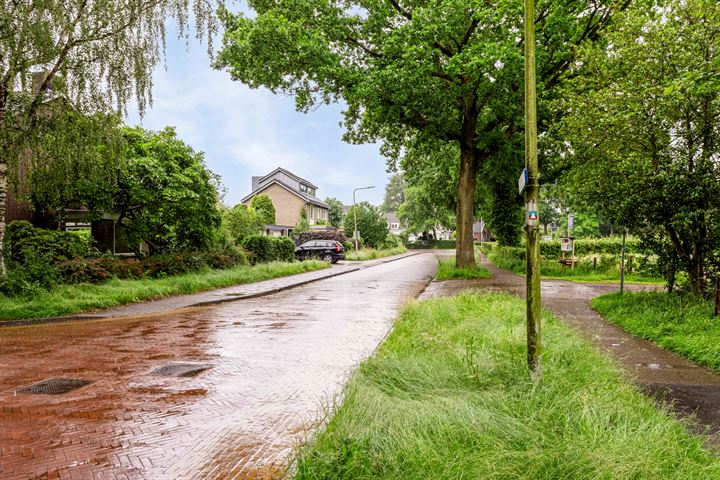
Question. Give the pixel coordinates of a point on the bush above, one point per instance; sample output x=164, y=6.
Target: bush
x=225, y=258
x=263, y=249
x=391, y=241
x=81, y=270
x=322, y=235
x=166, y=264
x=25, y=242
x=441, y=244
x=587, y=246
x=36, y=274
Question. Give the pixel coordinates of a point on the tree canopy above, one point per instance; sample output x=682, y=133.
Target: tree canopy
x=411, y=72
x=167, y=194
x=264, y=208
x=335, y=211
x=640, y=141
x=371, y=223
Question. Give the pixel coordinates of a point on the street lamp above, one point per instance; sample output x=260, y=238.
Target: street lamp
x=355, y=232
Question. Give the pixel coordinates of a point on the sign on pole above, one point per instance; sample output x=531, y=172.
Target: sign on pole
x=566, y=244
x=523, y=181
x=571, y=221
x=532, y=215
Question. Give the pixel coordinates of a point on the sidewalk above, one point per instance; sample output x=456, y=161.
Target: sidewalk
x=216, y=296
x=690, y=388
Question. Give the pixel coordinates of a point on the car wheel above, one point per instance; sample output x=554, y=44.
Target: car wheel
x=327, y=258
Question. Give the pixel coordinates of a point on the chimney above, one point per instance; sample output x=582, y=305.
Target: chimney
x=255, y=183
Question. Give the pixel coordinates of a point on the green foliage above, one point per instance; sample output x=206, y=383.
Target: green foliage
x=264, y=208
x=448, y=271
x=241, y=221
x=302, y=227
x=168, y=195
x=641, y=134
x=27, y=243
x=69, y=299
x=371, y=253
x=371, y=223
x=683, y=324
x=421, y=211
x=264, y=249
x=335, y=211
x=394, y=193
x=390, y=241
x=448, y=397
x=431, y=243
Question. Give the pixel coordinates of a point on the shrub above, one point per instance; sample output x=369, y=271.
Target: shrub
x=166, y=264
x=263, y=249
x=587, y=246
x=36, y=274
x=322, y=235
x=391, y=241
x=441, y=244
x=225, y=258
x=82, y=270
x=25, y=242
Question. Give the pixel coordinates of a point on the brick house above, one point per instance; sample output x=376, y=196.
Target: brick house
x=290, y=195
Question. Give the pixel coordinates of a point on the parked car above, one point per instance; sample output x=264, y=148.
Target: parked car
x=328, y=250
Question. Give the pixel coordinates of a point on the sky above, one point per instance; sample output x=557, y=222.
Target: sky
x=245, y=132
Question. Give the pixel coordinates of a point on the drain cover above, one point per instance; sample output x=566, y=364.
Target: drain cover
x=181, y=369
x=54, y=386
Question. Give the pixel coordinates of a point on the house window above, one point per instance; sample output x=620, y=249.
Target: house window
x=305, y=189
x=394, y=226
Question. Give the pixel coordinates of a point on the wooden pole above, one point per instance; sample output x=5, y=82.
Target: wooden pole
x=717, y=295
x=622, y=266
x=532, y=231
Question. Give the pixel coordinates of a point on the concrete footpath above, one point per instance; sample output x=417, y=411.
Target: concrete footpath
x=217, y=296
x=691, y=389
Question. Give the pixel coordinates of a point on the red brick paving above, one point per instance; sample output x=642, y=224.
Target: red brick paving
x=278, y=361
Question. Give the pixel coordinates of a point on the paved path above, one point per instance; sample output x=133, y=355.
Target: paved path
x=276, y=362
x=221, y=295
x=692, y=388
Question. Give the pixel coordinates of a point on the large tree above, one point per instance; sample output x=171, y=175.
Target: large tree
x=88, y=56
x=335, y=211
x=167, y=196
x=411, y=71
x=394, y=193
x=641, y=136
x=371, y=223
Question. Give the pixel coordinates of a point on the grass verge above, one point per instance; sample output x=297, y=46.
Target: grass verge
x=447, y=271
x=69, y=299
x=680, y=323
x=371, y=253
x=551, y=269
x=448, y=396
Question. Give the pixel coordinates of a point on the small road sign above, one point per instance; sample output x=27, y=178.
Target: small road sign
x=523, y=181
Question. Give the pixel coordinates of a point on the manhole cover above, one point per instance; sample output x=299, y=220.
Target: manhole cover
x=55, y=386
x=181, y=369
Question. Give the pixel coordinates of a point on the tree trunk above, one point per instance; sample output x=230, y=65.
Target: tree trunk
x=464, y=254
x=3, y=208
x=717, y=296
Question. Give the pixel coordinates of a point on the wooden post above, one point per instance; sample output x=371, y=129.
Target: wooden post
x=622, y=265
x=717, y=295
x=572, y=254
x=532, y=194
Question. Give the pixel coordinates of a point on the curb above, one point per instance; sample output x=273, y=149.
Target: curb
x=232, y=298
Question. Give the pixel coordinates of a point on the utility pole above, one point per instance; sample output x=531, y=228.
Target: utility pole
x=622, y=264
x=532, y=231
x=355, y=232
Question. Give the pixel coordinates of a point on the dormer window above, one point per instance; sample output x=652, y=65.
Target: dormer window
x=306, y=189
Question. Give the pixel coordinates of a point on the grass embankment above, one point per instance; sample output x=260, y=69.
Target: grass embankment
x=69, y=299
x=371, y=253
x=680, y=323
x=447, y=271
x=448, y=396
x=606, y=269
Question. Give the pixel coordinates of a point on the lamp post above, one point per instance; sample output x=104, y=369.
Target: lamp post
x=355, y=232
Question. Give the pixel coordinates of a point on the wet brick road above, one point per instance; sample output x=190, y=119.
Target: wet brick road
x=277, y=363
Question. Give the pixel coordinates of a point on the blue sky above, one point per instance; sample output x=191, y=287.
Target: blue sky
x=246, y=132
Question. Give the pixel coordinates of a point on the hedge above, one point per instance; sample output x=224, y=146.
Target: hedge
x=263, y=249
x=441, y=244
x=26, y=243
x=588, y=246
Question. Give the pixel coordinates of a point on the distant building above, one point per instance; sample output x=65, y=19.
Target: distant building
x=290, y=195
x=394, y=224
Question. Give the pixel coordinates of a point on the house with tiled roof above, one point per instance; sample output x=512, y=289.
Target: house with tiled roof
x=290, y=195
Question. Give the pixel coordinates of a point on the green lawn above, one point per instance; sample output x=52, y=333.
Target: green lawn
x=447, y=271
x=551, y=269
x=371, y=253
x=68, y=299
x=682, y=324
x=448, y=396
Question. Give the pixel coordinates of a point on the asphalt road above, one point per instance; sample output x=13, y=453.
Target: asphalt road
x=272, y=367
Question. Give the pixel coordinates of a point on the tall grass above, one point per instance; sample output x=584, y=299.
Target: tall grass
x=447, y=271
x=681, y=323
x=597, y=267
x=448, y=396
x=69, y=299
x=371, y=253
